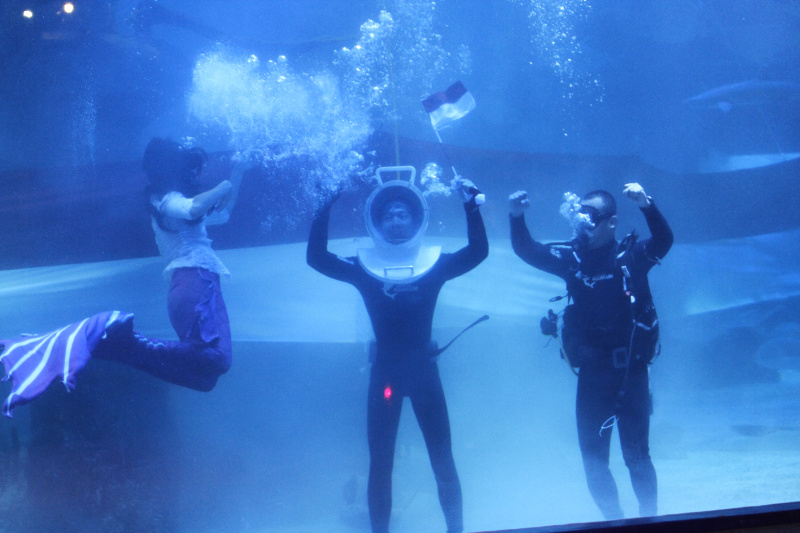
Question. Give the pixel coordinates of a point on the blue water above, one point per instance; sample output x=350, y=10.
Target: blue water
x=697, y=101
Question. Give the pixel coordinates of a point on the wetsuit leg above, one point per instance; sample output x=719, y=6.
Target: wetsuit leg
x=383, y=418
x=594, y=405
x=198, y=314
x=430, y=408
x=634, y=434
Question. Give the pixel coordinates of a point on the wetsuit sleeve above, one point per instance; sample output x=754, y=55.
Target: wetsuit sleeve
x=533, y=252
x=657, y=246
x=477, y=248
x=317, y=255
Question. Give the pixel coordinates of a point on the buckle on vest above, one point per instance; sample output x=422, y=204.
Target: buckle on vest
x=620, y=357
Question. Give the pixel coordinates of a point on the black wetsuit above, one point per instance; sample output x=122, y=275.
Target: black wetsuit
x=599, y=338
x=402, y=318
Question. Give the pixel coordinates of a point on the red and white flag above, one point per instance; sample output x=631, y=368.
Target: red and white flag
x=449, y=105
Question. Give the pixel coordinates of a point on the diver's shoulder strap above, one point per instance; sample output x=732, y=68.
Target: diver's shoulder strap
x=626, y=244
x=565, y=244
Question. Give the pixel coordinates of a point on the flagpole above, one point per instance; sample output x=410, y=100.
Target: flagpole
x=455, y=174
x=480, y=198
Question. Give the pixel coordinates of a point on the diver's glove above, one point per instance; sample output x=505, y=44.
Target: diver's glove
x=518, y=202
x=467, y=190
x=635, y=192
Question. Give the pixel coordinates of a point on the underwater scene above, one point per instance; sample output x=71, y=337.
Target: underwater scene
x=238, y=237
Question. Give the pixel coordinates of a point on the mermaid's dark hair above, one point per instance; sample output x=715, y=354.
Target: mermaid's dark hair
x=171, y=167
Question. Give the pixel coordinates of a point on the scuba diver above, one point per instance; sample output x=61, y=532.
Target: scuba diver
x=399, y=280
x=180, y=212
x=610, y=331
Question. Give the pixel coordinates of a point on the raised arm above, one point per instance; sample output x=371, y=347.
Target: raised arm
x=532, y=252
x=204, y=202
x=660, y=242
x=477, y=248
x=224, y=205
x=317, y=255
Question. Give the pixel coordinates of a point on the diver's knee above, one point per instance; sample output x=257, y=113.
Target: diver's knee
x=594, y=466
x=638, y=461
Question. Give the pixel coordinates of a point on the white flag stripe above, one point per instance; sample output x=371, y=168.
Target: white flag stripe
x=448, y=113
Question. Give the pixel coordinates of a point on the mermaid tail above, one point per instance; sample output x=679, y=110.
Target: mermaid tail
x=33, y=362
x=191, y=362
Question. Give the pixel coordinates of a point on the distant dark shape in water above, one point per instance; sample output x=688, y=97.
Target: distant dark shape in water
x=716, y=162
x=782, y=350
x=148, y=13
x=746, y=93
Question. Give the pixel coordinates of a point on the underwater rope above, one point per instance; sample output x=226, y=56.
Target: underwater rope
x=394, y=98
x=446, y=346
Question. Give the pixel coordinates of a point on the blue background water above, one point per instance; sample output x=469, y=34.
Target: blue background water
x=570, y=95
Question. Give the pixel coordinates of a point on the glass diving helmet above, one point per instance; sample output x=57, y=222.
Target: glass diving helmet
x=396, y=216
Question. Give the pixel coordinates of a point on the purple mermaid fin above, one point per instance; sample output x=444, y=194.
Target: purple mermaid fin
x=33, y=362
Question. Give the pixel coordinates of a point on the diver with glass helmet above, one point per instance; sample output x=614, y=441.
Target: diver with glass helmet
x=399, y=280
x=610, y=331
